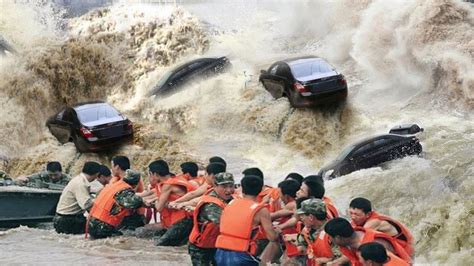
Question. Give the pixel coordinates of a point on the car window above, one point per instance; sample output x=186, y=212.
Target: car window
x=60, y=115
x=111, y=112
x=310, y=68
x=360, y=151
x=197, y=65
x=283, y=71
x=273, y=70
x=179, y=74
x=68, y=116
x=95, y=113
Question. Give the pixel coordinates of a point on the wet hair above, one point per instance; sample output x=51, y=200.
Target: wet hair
x=315, y=178
x=295, y=176
x=217, y=159
x=316, y=189
x=339, y=227
x=289, y=187
x=159, y=167
x=361, y=204
x=104, y=171
x=373, y=251
x=253, y=171
x=122, y=161
x=91, y=168
x=215, y=168
x=54, y=166
x=189, y=168
x=251, y=185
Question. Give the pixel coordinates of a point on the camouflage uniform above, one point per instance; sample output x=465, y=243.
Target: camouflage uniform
x=5, y=180
x=126, y=199
x=209, y=212
x=314, y=206
x=43, y=180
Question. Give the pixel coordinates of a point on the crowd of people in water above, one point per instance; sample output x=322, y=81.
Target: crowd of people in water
x=224, y=223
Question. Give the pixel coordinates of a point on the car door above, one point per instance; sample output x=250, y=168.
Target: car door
x=362, y=156
x=271, y=82
x=381, y=150
x=61, y=128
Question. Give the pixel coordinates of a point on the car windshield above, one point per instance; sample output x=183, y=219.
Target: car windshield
x=165, y=78
x=310, y=68
x=97, y=112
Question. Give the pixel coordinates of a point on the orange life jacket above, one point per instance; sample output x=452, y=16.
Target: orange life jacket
x=274, y=196
x=404, y=237
x=204, y=235
x=395, y=260
x=369, y=236
x=172, y=216
x=291, y=250
x=200, y=180
x=237, y=226
x=106, y=200
x=138, y=188
x=330, y=208
x=186, y=177
x=320, y=248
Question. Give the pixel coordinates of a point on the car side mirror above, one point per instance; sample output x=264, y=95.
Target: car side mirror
x=263, y=71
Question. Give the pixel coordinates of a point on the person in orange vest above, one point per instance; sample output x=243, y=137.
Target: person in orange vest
x=360, y=210
x=112, y=205
x=120, y=164
x=191, y=199
x=349, y=239
x=240, y=222
x=375, y=254
x=313, y=187
x=319, y=248
x=178, y=223
x=189, y=171
x=287, y=194
x=206, y=219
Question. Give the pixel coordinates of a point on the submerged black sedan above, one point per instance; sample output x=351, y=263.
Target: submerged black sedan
x=184, y=73
x=306, y=81
x=92, y=126
x=370, y=152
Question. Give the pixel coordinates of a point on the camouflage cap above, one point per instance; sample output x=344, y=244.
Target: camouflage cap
x=312, y=206
x=131, y=177
x=224, y=178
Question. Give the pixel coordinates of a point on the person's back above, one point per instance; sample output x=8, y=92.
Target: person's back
x=240, y=222
x=75, y=200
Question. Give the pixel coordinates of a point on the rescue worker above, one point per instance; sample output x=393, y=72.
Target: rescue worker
x=113, y=204
x=75, y=200
x=312, y=187
x=178, y=223
x=192, y=198
x=360, y=210
x=319, y=248
x=239, y=225
x=52, y=178
x=206, y=219
x=287, y=190
x=375, y=254
x=295, y=176
x=189, y=170
x=349, y=239
x=120, y=164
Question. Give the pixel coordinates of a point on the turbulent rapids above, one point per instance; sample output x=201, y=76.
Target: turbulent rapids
x=405, y=62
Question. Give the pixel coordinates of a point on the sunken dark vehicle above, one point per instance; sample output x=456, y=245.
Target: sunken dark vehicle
x=92, y=126
x=306, y=81
x=370, y=152
x=189, y=71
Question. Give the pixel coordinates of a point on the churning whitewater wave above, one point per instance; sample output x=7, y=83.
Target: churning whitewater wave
x=405, y=61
